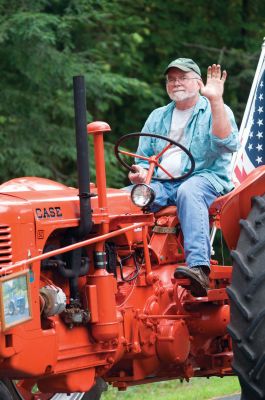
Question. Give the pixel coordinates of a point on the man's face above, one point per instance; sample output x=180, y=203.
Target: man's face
x=181, y=85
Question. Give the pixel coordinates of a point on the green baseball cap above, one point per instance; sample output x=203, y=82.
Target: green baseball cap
x=185, y=64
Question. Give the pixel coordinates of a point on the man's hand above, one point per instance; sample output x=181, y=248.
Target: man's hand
x=139, y=175
x=214, y=87
x=213, y=90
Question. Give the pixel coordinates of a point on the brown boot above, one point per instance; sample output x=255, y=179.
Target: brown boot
x=198, y=278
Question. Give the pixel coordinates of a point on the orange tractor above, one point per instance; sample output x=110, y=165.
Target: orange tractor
x=87, y=293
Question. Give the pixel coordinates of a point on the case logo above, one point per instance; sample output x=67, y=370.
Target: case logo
x=51, y=212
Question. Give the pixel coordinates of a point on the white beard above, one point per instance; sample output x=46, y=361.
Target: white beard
x=182, y=95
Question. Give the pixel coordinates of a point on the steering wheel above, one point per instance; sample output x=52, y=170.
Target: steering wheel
x=153, y=159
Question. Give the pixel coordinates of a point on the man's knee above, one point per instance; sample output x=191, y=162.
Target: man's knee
x=188, y=189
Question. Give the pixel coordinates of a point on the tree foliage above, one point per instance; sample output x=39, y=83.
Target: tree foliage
x=122, y=48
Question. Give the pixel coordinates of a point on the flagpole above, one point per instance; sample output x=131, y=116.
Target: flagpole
x=248, y=106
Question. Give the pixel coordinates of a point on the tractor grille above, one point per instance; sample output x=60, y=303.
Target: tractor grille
x=5, y=246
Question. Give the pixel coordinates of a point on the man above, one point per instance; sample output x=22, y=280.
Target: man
x=206, y=126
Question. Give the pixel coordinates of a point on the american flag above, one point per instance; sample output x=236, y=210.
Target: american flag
x=252, y=153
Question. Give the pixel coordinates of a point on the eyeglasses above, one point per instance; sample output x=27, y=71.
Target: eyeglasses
x=181, y=79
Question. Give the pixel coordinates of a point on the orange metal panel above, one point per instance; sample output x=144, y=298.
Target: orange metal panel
x=239, y=204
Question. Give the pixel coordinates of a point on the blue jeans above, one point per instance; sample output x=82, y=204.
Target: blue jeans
x=193, y=198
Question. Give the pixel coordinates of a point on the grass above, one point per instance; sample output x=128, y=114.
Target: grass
x=196, y=389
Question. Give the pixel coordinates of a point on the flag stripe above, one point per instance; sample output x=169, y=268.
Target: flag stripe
x=252, y=138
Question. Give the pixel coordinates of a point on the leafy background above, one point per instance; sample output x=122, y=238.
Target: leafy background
x=122, y=48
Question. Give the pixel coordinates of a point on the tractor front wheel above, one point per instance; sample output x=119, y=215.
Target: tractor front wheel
x=247, y=298
x=4, y=392
x=26, y=390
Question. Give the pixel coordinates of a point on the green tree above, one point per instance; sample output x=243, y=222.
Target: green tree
x=122, y=48
x=44, y=44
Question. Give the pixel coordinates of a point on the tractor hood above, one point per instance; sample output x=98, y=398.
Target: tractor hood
x=50, y=199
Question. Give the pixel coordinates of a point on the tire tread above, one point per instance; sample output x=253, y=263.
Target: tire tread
x=247, y=300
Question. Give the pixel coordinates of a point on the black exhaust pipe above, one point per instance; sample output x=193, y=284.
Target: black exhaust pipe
x=82, y=149
x=74, y=263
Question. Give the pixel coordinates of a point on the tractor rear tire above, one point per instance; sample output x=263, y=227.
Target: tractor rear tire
x=247, y=298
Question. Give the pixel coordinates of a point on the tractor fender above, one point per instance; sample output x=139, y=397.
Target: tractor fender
x=239, y=205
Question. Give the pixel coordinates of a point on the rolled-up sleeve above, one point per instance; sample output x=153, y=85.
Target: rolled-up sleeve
x=229, y=144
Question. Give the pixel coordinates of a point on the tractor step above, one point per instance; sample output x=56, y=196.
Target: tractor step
x=70, y=396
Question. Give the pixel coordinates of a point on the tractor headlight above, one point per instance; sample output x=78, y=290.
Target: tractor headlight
x=142, y=195
x=15, y=299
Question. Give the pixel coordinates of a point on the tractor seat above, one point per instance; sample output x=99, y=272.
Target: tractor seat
x=214, y=208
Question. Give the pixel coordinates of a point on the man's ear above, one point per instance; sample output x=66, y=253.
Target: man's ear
x=200, y=84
